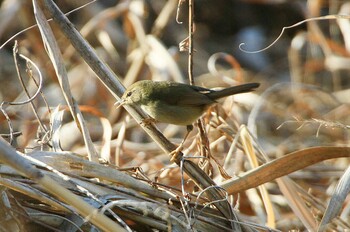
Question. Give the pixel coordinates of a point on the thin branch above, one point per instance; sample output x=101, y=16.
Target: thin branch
x=4, y=104
x=326, y=17
x=15, y=53
x=190, y=40
x=35, y=25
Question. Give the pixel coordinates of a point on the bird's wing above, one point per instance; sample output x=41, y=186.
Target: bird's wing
x=193, y=96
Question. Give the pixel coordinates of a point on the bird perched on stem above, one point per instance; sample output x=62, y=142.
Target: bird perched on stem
x=176, y=103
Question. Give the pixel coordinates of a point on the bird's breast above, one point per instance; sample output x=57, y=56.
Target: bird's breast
x=173, y=114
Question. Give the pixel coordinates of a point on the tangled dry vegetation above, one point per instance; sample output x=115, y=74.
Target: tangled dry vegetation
x=272, y=160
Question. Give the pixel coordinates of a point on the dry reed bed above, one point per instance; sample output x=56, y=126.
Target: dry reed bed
x=277, y=172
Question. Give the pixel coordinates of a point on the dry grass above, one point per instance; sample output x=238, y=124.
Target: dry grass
x=274, y=159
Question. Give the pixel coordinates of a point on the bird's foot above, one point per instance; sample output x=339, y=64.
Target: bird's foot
x=147, y=121
x=176, y=154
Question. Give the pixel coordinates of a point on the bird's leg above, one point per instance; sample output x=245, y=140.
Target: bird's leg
x=174, y=154
x=189, y=129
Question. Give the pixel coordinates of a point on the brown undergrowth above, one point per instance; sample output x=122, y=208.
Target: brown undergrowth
x=274, y=159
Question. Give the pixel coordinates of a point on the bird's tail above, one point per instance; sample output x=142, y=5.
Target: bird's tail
x=233, y=90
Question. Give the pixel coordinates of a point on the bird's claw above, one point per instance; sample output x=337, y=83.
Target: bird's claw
x=147, y=121
x=176, y=154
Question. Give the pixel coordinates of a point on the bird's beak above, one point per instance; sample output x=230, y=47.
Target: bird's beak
x=119, y=103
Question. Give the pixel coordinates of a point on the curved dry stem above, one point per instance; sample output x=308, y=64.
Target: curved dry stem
x=326, y=17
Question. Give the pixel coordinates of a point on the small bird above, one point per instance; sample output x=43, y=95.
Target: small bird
x=176, y=103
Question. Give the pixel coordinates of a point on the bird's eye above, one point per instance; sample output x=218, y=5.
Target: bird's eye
x=129, y=94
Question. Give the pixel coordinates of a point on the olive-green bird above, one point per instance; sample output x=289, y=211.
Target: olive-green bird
x=176, y=103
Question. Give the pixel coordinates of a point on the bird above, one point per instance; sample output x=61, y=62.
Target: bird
x=176, y=103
